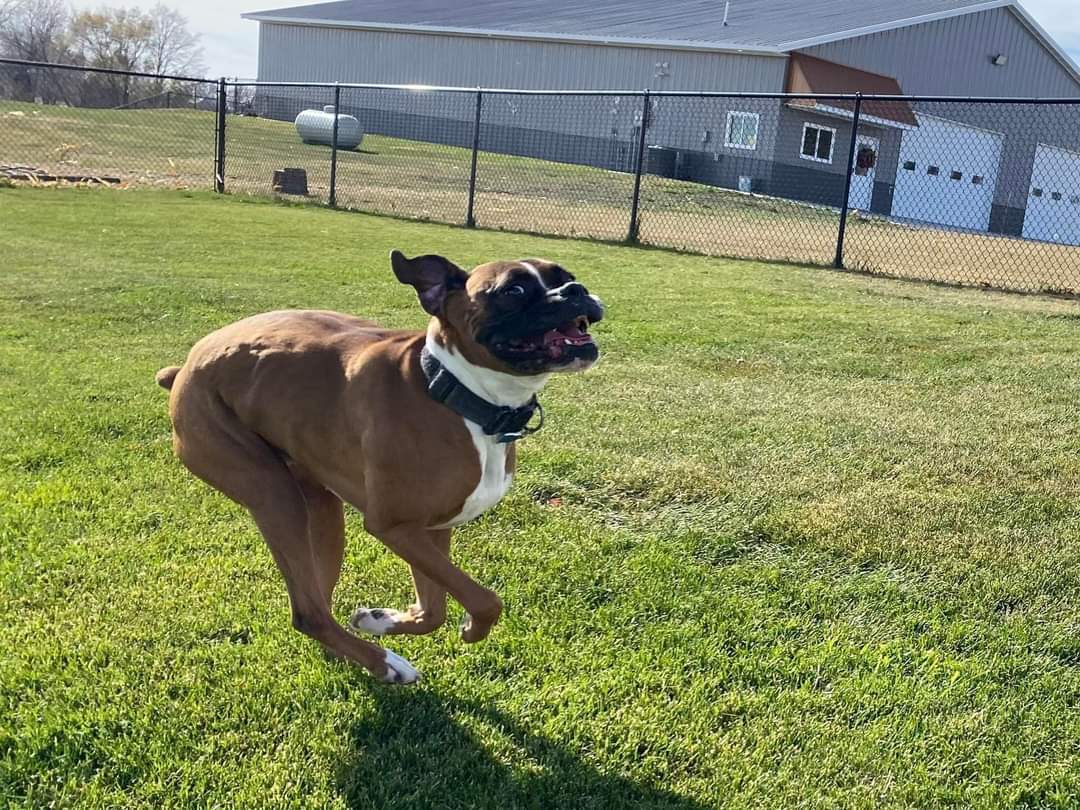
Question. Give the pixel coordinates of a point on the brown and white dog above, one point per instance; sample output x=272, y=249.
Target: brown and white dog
x=293, y=413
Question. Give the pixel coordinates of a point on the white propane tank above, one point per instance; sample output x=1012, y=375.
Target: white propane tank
x=317, y=126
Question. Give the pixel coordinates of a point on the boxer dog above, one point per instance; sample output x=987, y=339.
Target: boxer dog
x=294, y=413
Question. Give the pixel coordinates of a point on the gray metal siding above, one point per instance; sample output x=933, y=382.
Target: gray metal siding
x=322, y=54
x=770, y=23
x=701, y=125
x=788, y=147
x=789, y=140
x=938, y=58
x=952, y=57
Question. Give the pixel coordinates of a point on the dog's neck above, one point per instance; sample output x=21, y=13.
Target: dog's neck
x=497, y=387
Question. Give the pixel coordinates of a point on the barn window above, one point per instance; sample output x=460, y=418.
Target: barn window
x=742, y=130
x=1036, y=192
x=955, y=175
x=976, y=179
x=909, y=165
x=1055, y=196
x=933, y=170
x=817, y=143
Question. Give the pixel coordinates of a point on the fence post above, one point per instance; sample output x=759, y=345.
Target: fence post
x=219, y=151
x=195, y=96
x=838, y=262
x=632, y=234
x=236, y=96
x=333, y=146
x=470, y=216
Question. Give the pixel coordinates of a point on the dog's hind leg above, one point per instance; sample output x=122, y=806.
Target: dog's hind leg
x=326, y=530
x=427, y=615
x=217, y=448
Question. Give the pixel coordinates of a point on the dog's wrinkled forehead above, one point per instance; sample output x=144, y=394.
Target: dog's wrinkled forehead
x=528, y=272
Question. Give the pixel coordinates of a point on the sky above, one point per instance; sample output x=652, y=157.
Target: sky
x=230, y=44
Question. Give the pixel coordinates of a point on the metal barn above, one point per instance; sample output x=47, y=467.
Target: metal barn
x=1004, y=169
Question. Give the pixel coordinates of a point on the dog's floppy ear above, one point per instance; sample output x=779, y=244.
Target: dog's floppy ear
x=432, y=276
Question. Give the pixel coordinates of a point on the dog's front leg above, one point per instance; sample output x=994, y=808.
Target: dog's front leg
x=425, y=616
x=414, y=545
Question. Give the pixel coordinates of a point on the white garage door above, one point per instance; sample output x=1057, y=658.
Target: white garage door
x=1053, y=204
x=947, y=173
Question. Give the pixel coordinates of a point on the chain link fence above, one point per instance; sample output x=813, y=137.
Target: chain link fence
x=105, y=127
x=970, y=192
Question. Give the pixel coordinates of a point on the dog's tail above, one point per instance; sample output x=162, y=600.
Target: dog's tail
x=167, y=376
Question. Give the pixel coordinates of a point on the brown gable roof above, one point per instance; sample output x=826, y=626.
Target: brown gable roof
x=808, y=74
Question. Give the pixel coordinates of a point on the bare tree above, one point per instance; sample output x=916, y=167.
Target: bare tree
x=34, y=30
x=113, y=38
x=125, y=39
x=172, y=47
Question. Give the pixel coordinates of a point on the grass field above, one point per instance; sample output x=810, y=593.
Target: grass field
x=419, y=180
x=802, y=539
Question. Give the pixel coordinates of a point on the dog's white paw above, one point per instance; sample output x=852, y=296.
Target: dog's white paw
x=398, y=670
x=373, y=620
x=468, y=630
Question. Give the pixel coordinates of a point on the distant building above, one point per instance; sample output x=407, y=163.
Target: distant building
x=1013, y=169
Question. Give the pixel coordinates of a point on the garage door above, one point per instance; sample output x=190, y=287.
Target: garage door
x=1053, y=204
x=947, y=173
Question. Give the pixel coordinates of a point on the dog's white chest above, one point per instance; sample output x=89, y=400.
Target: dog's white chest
x=494, y=480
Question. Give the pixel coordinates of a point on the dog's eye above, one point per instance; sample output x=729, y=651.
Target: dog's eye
x=513, y=289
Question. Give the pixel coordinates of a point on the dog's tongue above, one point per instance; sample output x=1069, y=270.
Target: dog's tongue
x=570, y=332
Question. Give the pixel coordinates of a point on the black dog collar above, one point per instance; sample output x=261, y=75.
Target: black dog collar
x=505, y=424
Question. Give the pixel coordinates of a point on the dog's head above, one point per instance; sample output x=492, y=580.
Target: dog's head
x=522, y=317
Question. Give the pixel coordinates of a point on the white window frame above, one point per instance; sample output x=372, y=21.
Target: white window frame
x=832, y=143
x=727, y=129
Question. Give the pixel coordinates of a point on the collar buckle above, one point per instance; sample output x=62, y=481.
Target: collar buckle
x=506, y=437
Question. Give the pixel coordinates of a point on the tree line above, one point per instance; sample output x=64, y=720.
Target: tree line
x=153, y=41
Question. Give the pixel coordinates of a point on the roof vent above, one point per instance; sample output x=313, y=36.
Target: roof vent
x=1000, y=60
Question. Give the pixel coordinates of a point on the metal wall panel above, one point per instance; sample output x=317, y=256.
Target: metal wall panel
x=953, y=57
x=323, y=54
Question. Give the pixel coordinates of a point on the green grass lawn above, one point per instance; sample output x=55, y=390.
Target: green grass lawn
x=802, y=539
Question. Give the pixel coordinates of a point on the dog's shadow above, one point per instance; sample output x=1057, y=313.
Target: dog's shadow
x=420, y=749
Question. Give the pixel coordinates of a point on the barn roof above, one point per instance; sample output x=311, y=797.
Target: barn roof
x=754, y=26
x=808, y=74
x=764, y=23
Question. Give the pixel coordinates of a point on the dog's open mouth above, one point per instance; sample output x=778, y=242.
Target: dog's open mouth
x=555, y=342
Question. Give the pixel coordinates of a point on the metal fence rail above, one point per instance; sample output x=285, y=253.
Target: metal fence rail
x=982, y=192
